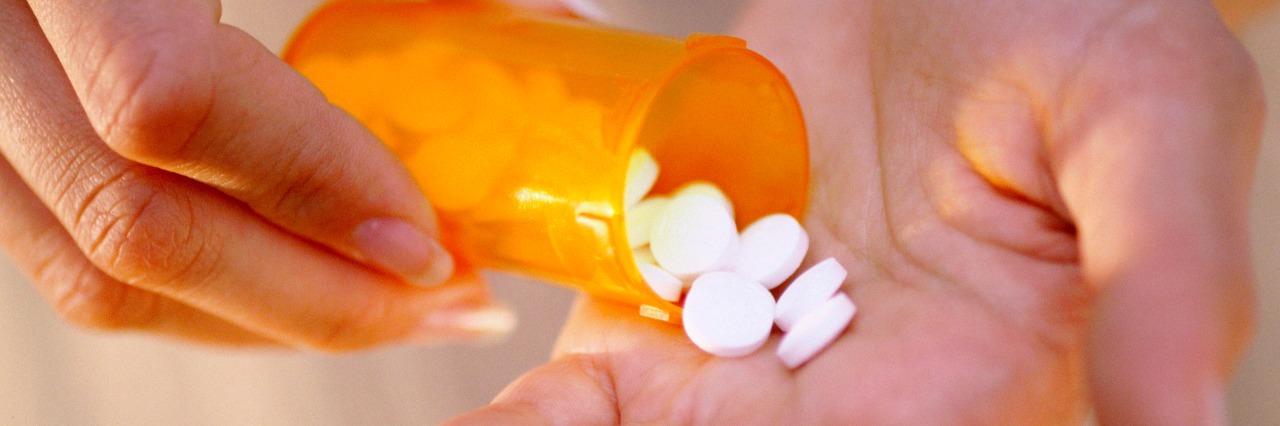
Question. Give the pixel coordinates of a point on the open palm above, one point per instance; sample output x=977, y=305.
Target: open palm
x=1041, y=206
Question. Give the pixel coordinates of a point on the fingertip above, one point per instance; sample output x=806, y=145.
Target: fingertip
x=479, y=325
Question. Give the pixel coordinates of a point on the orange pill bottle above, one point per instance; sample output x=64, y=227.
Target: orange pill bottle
x=519, y=127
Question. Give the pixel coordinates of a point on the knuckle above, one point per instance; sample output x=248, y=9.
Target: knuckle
x=139, y=233
x=308, y=181
x=355, y=328
x=84, y=296
x=1154, y=46
x=147, y=97
x=1157, y=61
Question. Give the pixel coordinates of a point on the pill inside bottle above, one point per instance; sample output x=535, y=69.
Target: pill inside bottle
x=520, y=127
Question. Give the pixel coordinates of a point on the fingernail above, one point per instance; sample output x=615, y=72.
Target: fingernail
x=399, y=247
x=487, y=324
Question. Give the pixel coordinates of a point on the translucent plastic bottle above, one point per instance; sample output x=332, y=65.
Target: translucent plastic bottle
x=519, y=127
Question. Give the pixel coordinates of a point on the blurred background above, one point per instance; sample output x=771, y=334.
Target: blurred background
x=52, y=373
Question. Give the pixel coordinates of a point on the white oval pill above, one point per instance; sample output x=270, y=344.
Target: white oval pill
x=771, y=249
x=808, y=291
x=816, y=330
x=725, y=314
x=693, y=235
x=640, y=219
x=642, y=172
x=662, y=283
x=706, y=188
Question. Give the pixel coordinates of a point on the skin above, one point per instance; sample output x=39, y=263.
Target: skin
x=1042, y=209
x=167, y=173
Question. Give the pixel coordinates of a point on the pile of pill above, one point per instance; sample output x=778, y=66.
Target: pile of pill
x=687, y=244
x=471, y=108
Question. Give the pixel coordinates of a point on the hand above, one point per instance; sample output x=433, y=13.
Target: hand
x=1042, y=206
x=167, y=173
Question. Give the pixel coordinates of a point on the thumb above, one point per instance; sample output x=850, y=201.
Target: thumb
x=568, y=390
x=1154, y=161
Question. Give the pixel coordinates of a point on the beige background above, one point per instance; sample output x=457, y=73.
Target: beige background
x=51, y=373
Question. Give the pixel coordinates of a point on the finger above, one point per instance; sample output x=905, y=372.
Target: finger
x=577, y=386
x=612, y=366
x=85, y=296
x=166, y=85
x=565, y=391
x=1154, y=158
x=166, y=234
x=653, y=373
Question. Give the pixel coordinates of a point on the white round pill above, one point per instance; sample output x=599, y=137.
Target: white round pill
x=693, y=235
x=808, y=291
x=771, y=249
x=662, y=283
x=642, y=173
x=640, y=219
x=725, y=314
x=816, y=330
x=706, y=188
